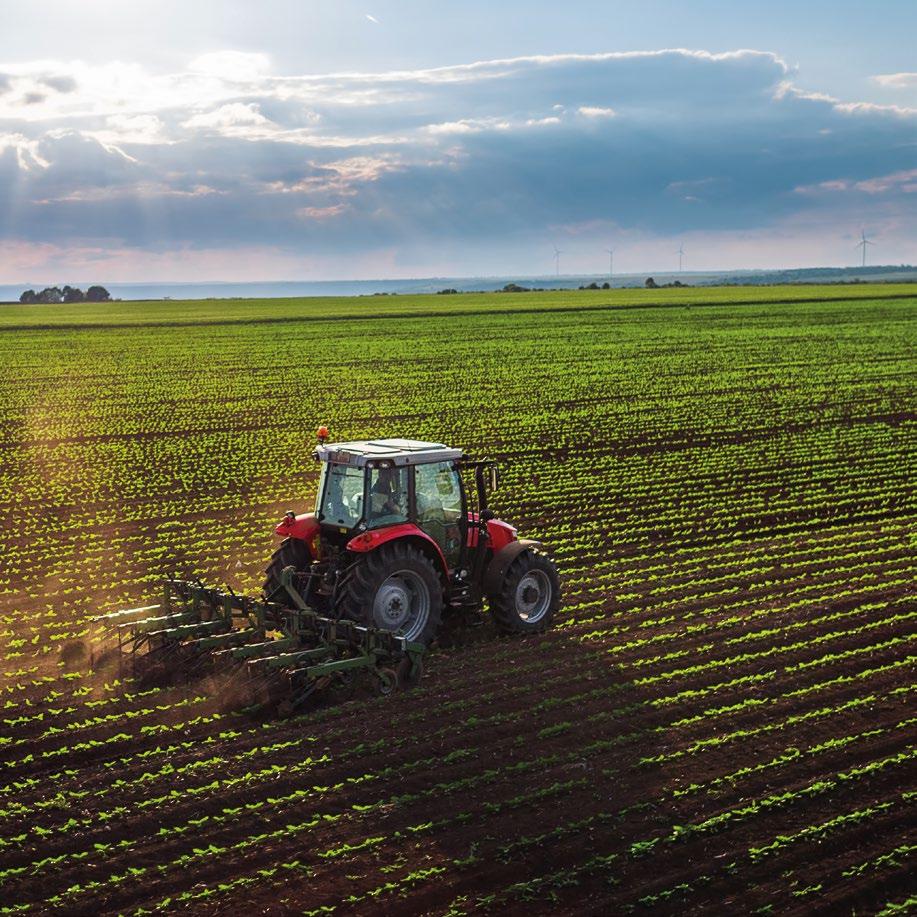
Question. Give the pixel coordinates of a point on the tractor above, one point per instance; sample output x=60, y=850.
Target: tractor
x=401, y=542
x=402, y=535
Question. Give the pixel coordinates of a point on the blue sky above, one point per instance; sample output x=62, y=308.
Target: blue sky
x=299, y=140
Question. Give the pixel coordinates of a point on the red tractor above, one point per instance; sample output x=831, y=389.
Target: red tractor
x=402, y=536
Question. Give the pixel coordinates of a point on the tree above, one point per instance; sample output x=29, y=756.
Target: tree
x=97, y=294
x=650, y=283
x=73, y=294
x=51, y=295
x=29, y=297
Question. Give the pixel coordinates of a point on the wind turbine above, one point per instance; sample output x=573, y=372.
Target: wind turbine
x=611, y=261
x=557, y=254
x=681, y=255
x=863, y=243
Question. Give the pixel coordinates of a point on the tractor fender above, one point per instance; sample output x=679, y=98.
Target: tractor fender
x=304, y=527
x=501, y=562
x=374, y=538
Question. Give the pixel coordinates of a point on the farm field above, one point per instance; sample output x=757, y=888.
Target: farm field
x=722, y=719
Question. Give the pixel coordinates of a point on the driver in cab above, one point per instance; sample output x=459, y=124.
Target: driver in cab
x=386, y=497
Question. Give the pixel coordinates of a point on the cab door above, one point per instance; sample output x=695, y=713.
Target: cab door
x=438, y=507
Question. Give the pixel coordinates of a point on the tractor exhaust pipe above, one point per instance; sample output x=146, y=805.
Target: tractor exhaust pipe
x=484, y=486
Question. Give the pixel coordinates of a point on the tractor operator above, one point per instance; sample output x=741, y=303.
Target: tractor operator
x=386, y=497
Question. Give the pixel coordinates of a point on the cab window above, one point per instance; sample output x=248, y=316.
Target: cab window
x=342, y=495
x=439, y=505
x=388, y=496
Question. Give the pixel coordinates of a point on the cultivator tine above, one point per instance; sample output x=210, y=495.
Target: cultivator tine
x=163, y=662
x=266, y=648
x=224, y=641
x=158, y=623
x=128, y=614
x=283, y=660
x=248, y=688
x=193, y=629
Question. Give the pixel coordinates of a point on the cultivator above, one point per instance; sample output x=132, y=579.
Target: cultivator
x=278, y=648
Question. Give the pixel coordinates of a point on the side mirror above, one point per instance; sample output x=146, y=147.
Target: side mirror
x=493, y=477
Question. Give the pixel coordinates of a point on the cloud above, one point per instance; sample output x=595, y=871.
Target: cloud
x=867, y=107
x=485, y=157
x=228, y=117
x=64, y=83
x=25, y=151
x=593, y=111
x=903, y=182
x=321, y=213
x=896, y=80
x=118, y=131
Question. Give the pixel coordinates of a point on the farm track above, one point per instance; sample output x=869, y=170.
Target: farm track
x=723, y=717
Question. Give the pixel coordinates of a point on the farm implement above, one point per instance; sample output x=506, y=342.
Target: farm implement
x=401, y=543
x=197, y=629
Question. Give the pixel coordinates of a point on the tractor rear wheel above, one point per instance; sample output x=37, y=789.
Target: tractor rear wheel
x=293, y=552
x=396, y=588
x=529, y=595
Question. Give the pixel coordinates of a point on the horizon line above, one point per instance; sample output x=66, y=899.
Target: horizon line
x=522, y=274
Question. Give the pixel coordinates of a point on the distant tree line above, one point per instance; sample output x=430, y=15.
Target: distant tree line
x=65, y=294
x=652, y=285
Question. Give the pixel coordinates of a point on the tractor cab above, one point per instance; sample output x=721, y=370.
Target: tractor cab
x=371, y=485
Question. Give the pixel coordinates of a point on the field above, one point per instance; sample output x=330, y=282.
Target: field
x=721, y=721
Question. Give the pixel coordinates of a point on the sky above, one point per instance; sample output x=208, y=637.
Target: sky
x=297, y=140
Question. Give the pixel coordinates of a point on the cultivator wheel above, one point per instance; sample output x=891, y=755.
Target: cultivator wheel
x=409, y=672
x=386, y=681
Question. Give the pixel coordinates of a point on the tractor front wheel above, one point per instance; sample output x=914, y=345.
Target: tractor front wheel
x=529, y=595
x=396, y=588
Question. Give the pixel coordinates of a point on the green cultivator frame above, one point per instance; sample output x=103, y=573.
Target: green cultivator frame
x=279, y=644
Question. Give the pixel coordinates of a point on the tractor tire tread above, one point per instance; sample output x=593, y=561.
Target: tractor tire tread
x=503, y=603
x=359, y=582
x=292, y=552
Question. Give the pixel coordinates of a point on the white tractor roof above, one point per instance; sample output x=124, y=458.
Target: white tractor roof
x=396, y=451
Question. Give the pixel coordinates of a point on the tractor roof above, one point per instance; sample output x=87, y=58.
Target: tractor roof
x=396, y=451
